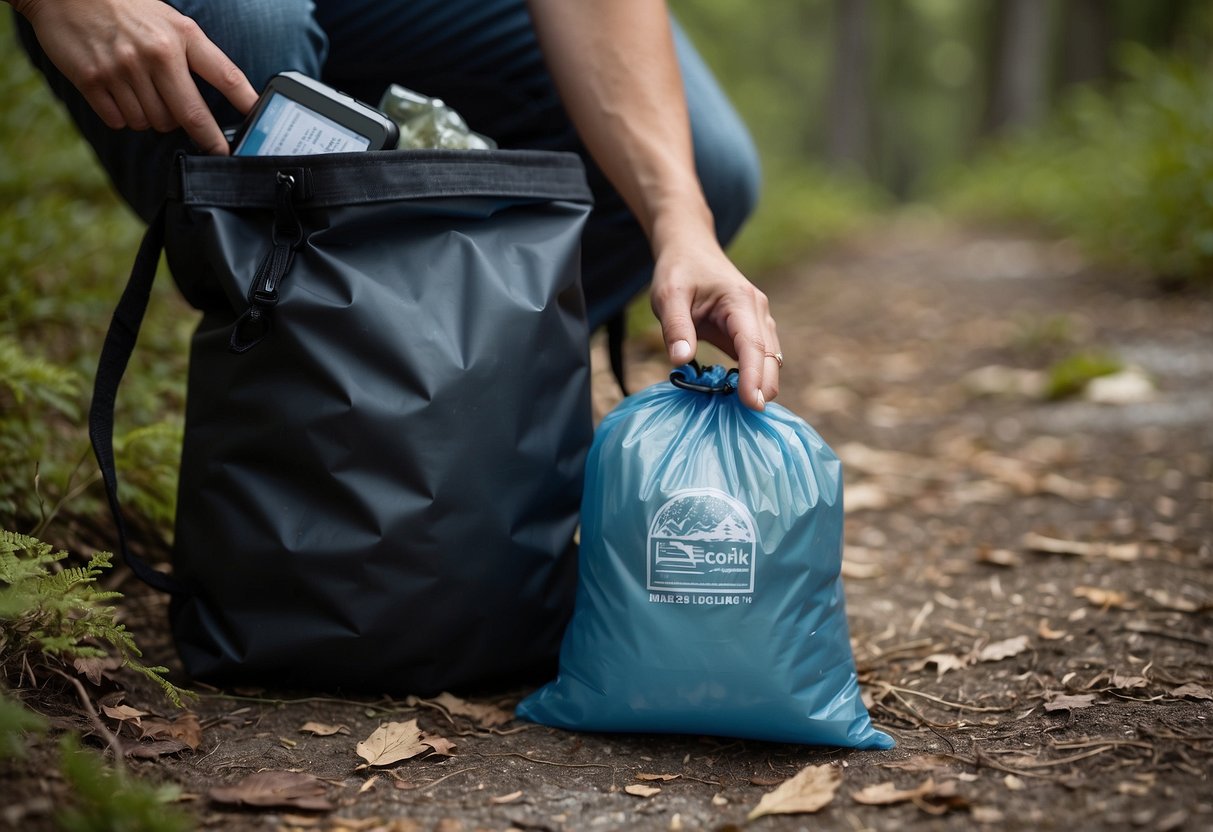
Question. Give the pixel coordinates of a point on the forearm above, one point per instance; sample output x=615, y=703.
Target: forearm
x=615, y=67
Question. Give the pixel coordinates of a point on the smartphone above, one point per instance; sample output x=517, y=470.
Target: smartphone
x=299, y=116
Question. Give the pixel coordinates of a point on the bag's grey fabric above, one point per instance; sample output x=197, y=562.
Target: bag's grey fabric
x=387, y=420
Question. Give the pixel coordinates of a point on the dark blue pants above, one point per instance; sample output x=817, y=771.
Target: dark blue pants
x=482, y=58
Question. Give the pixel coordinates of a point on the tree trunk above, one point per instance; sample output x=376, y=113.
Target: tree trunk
x=1086, y=42
x=848, y=136
x=1019, y=71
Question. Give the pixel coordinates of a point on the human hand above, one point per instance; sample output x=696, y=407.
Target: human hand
x=132, y=59
x=699, y=293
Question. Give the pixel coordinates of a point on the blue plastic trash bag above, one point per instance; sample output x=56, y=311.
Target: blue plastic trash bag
x=709, y=599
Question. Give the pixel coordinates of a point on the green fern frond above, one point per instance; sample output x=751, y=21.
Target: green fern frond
x=52, y=613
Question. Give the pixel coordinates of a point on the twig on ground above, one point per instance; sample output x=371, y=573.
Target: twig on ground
x=405, y=786
x=985, y=709
x=109, y=736
x=522, y=756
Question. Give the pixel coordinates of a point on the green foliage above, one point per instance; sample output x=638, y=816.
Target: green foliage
x=104, y=800
x=1129, y=174
x=56, y=614
x=1070, y=376
x=66, y=244
x=15, y=723
x=149, y=458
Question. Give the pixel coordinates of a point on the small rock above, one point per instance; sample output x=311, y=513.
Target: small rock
x=1129, y=386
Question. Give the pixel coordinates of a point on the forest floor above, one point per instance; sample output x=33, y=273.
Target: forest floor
x=1028, y=581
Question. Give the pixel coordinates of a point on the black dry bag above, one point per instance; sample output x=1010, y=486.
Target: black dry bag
x=388, y=414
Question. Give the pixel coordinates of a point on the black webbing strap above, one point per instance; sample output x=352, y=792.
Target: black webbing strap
x=616, y=329
x=116, y=352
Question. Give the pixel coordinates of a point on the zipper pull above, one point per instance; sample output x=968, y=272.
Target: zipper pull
x=287, y=234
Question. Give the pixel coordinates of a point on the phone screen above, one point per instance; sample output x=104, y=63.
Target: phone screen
x=287, y=128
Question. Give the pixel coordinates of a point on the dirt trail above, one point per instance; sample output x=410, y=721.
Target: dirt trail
x=1028, y=581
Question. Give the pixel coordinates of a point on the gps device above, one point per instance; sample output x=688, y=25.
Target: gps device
x=299, y=116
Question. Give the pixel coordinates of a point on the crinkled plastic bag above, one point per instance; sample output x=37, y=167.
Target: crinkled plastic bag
x=709, y=599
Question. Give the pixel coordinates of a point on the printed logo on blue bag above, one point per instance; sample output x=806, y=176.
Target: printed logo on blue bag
x=701, y=541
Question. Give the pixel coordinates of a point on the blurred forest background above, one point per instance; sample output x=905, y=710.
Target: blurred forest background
x=1091, y=119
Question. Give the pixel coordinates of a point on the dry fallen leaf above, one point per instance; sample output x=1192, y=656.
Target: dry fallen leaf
x=280, y=789
x=986, y=814
x=662, y=777
x=396, y=741
x=1048, y=633
x=858, y=571
x=95, y=668
x=124, y=713
x=998, y=557
x=155, y=750
x=1005, y=649
x=1103, y=598
x=486, y=716
x=864, y=496
x=1056, y=546
x=505, y=798
x=1128, y=682
x=1191, y=690
x=885, y=794
x=1174, y=602
x=1069, y=702
x=943, y=663
x=810, y=790
x=184, y=728
x=641, y=790
x=323, y=729
x=441, y=745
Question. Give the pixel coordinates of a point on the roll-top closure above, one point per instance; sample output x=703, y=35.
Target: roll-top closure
x=357, y=178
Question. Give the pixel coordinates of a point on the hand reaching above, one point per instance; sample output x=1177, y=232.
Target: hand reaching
x=132, y=59
x=699, y=293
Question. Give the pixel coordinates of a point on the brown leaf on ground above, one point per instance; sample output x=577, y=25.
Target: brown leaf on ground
x=96, y=668
x=1176, y=603
x=323, y=729
x=276, y=789
x=124, y=713
x=661, y=777
x=1005, y=649
x=1069, y=702
x=1057, y=546
x=185, y=728
x=397, y=741
x=852, y=570
x=1128, y=682
x=886, y=794
x=1191, y=690
x=1104, y=598
x=441, y=745
x=943, y=663
x=998, y=557
x=864, y=496
x=640, y=790
x=810, y=790
x=1048, y=633
x=484, y=715
x=154, y=750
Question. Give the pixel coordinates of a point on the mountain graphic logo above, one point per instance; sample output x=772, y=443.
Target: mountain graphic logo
x=701, y=540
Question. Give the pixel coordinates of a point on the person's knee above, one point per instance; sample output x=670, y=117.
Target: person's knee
x=730, y=174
